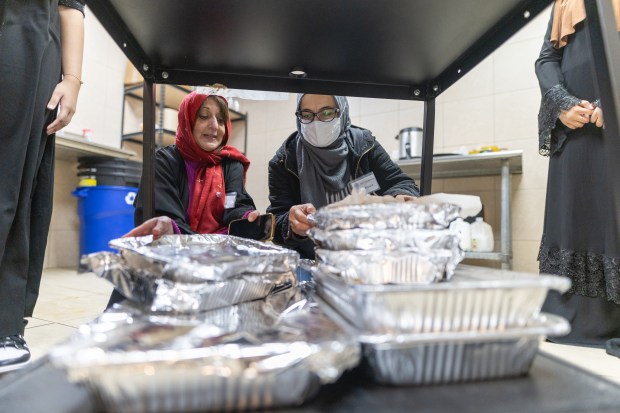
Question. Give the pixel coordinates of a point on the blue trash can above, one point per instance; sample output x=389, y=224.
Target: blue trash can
x=106, y=213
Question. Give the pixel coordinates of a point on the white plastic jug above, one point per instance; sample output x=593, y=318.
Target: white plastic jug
x=481, y=236
x=463, y=228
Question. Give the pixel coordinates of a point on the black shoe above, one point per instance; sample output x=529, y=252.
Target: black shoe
x=613, y=347
x=14, y=353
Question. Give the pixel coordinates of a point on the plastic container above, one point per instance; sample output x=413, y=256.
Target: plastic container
x=106, y=213
x=463, y=229
x=110, y=171
x=481, y=236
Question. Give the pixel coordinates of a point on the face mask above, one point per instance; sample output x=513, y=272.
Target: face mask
x=321, y=134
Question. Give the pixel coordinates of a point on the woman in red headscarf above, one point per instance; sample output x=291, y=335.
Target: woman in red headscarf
x=199, y=182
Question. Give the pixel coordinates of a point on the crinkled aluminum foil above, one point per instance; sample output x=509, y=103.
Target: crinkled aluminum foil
x=475, y=299
x=170, y=295
x=196, y=258
x=403, y=215
x=452, y=356
x=401, y=266
x=386, y=240
x=213, y=361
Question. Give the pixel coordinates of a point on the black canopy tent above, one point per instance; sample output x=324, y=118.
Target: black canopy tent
x=393, y=49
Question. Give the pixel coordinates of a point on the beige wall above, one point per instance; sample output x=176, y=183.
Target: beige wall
x=496, y=103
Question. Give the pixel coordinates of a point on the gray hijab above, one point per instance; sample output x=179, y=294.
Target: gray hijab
x=324, y=171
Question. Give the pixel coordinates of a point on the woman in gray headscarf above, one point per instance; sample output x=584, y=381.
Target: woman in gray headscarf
x=316, y=165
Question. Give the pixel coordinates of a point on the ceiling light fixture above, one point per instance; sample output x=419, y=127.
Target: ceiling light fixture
x=298, y=73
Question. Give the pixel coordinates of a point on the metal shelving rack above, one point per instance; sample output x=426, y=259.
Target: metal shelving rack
x=504, y=164
x=168, y=96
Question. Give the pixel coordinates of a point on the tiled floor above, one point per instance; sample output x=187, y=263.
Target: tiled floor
x=69, y=299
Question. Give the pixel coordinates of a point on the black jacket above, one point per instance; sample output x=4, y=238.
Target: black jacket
x=365, y=155
x=172, y=193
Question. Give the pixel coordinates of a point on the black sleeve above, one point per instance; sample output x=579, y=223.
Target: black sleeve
x=392, y=180
x=171, y=194
x=555, y=96
x=74, y=4
x=284, y=193
x=548, y=65
x=234, y=182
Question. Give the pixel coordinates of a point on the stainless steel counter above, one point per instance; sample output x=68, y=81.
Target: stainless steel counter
x=70, y=148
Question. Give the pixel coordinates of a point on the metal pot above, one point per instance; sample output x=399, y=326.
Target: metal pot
x=410, y=142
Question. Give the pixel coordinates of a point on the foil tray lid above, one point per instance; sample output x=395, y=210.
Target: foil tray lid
x=542, y=325
x=465, y=277
x=404, y=215
x=198, y=258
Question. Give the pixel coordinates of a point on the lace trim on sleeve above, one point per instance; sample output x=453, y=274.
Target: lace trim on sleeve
x=554, y=101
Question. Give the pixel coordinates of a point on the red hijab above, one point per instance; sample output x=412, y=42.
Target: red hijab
x=207, y=203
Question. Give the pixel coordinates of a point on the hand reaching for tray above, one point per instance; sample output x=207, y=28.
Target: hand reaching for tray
x=157, y=227
x=298, y=218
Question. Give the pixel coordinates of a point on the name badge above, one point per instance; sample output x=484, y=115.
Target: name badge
x=229, y=201
x=368, y=182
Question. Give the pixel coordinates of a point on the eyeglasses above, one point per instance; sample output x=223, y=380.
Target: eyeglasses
x=324, y=115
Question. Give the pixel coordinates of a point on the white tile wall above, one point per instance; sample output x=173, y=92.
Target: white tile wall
x=513, y=65
x=476, y=83
x=468, y=122
x=515, y=114
x=99, y=103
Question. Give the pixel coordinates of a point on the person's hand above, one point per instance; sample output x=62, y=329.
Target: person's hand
x=298, y=218
x=578, y=115
x=405, y=198
x=157, y=227
x=253, y=215
x=65, y=94
x=597, y=117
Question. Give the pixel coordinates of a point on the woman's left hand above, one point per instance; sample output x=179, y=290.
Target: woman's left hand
x=65, y=94
x=405, y=198
x=597, y=117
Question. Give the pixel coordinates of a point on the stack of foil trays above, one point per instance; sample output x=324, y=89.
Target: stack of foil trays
x=188, y=273
x=383, y=243
x=257, y=355
x=481, y=324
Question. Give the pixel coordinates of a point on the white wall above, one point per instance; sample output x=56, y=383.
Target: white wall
x=101, y=96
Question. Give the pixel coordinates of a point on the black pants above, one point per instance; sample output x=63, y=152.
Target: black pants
x=29, y=70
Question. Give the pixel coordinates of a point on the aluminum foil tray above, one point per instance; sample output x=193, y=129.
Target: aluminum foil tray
x=170, y=295
x=402, y=266
x=458, y=357
x=386, y=240
x=196, y=258
x=475, y=299
x=135, y=362
x=403, y=215
x=450, y=357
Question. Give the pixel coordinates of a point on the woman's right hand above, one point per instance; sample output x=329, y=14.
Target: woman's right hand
x=578, y=115
x=157, y=227
x=298, y=218
x=597, y=117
